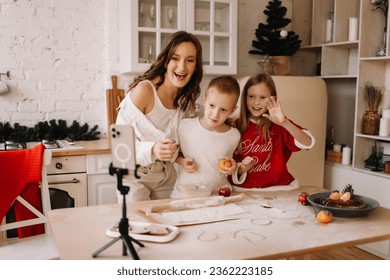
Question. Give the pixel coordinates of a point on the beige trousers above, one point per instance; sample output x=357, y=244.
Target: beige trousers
x=156, y=182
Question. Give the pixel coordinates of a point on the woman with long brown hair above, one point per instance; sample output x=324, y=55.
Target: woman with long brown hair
x=155, y=103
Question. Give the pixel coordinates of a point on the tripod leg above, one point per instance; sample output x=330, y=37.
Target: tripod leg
x=124, y=249
x=129, y=245
x=97, y=252
x=136, y=241
x=124, y=222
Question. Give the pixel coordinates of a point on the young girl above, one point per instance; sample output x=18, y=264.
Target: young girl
x=268, y=138
x=156, y=102
x=206, y=140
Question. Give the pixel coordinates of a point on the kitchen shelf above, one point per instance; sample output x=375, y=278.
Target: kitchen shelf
x=375, y=137
x=376, y=58
x=339, y=77
x=346, y=66
x=337, y=61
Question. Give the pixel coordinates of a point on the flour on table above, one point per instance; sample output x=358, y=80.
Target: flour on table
x=204, y=214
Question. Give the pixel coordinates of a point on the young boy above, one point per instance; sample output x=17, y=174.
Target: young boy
x=206, y=140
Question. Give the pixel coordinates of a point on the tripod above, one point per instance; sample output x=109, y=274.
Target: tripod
x=124, y=222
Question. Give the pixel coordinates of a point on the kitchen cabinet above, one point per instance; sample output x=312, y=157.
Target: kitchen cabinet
x=87, y=173
x=81, y=180
x=67, y=180
x=331, y=54
x=374, y=69
x=346, y=65
x=144, y=26
x=101, y=186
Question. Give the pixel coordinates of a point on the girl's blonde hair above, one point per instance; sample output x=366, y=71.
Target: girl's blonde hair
x=243, y=122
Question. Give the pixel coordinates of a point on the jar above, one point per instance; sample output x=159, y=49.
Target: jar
x=370, y=123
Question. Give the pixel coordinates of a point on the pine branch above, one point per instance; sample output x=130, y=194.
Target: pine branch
x=44, y=130
x=269, y=40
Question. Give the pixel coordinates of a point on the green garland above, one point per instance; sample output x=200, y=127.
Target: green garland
x=47, y=130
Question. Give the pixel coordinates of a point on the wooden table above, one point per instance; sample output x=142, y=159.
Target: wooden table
x=284, y=231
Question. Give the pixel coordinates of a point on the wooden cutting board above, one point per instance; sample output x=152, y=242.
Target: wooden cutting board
x=113, y=97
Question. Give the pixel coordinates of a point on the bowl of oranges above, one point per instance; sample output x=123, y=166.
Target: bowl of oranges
x=355, y=206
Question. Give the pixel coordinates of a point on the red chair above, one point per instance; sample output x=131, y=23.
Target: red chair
x=24, y=188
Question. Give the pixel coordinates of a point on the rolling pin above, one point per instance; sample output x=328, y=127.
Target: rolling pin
x=194, y=203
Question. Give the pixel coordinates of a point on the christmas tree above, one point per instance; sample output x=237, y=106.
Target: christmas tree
x=272, y=38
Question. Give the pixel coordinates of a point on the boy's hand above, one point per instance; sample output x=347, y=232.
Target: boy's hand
x=227, y=165
x=189, y=165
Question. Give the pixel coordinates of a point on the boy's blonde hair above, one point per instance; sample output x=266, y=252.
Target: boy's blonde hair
x=225, y=85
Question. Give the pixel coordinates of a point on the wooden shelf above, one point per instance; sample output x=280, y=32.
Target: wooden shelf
x=339, y=77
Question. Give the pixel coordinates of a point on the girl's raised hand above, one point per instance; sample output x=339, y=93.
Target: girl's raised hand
x=276, y=114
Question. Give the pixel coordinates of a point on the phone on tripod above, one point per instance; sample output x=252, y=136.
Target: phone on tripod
x=123, y=148
x=123, y=165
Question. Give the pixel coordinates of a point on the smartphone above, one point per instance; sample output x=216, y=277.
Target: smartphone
x=123, y=148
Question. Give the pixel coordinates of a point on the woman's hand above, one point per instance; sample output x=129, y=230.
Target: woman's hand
x=165, y=150
x=275, y=111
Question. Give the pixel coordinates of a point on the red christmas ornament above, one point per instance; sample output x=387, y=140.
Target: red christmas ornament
x=302, y=198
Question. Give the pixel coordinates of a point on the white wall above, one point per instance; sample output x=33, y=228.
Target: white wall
x=54, y=51
x=61, y=55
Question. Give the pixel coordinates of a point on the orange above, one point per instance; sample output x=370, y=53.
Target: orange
x=345, y=197
x=225, y=163
x=335, y=195
x=324, y=216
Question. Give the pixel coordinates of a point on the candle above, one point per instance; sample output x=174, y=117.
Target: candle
x=386, y=113
x=337, y=148
x=353, y=29
x=346, y=159
x=384, y=127
x=328, y=30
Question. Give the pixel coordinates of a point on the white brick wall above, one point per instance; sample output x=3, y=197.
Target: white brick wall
x=55, y=51
x=61, y=55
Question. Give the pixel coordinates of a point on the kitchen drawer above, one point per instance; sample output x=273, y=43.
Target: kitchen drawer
x=70, y=164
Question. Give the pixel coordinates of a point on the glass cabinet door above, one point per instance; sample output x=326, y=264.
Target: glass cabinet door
x=214, y=22
x=145, y=25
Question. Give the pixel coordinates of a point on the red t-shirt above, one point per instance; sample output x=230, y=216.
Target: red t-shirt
x=270, y=156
